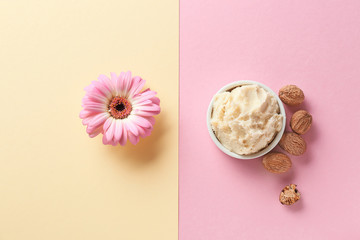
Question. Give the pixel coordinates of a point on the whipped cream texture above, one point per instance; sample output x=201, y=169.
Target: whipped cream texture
x=246, y=119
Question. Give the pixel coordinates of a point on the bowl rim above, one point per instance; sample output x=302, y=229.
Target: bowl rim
x=264, y=151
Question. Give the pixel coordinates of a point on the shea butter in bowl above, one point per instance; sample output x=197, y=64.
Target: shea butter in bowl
x=246, y=119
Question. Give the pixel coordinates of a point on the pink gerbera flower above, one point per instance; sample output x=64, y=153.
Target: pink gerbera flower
x=116, y=108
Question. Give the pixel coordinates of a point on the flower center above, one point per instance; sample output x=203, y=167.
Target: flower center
x=120, y=107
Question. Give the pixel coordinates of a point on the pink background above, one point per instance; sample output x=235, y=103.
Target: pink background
x=313, y=44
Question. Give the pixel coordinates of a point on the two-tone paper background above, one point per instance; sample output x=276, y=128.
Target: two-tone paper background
x=56, y=183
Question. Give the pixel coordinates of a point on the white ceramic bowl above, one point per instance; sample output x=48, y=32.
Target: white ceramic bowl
x=265, y=150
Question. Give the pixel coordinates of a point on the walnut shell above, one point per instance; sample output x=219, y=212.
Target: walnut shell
x=291, y=95
x=289, y=195
x=276, y=162
x=301, y=121
x=293, y=143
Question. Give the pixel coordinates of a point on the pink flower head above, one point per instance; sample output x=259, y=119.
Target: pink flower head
x=118, y=109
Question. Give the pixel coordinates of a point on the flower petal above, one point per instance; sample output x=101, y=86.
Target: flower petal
x=155, y=100
x=138, y=84
x=95, y=132
x=106, y=82
x=132, y=127
x=140, y=121
x=89, y=88
x=146, y=102
x=141, y=131
x=144, y=113
x=144, y=96
x=128, y=82
x=133, y=138
x=123, y=138
x=152, y=108
x=103, y=77
x=151, y=120
x=86, y=121
x=107, y=124
x=118, y=130
x=102, y=89
x=95, y=97
x=104, y=140
x=147, y=132
x=98, y=121
x=88, y=103
x=95, y=109
x=120, y=84
x=114, y=80
x=110, y=131
x=86, y=113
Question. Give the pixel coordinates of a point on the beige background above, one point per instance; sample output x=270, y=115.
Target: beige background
x=56, y=182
